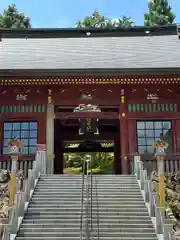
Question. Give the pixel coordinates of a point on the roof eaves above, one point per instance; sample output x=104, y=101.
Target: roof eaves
x=89, y=72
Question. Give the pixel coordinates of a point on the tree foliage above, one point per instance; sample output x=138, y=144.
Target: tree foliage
x=160, y=13
x=12, y=18
x=96, y=20
x=101, y=162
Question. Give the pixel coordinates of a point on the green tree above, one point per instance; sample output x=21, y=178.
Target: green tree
x=160, y=13
x=96, y=20
x=12, y=18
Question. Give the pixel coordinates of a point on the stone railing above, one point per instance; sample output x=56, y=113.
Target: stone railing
x=12, y=216
x=162, y=224
x=24, y=163
x=171, y=163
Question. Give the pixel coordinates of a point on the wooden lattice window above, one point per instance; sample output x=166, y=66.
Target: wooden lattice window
x=25, y=131
x=150, y=131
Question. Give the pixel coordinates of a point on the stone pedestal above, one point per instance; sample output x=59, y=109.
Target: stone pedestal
x=50, y=138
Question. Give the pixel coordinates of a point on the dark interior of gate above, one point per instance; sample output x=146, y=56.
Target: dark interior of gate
x=85, y=135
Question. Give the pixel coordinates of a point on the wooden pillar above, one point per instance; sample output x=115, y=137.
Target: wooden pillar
x=50, y=138
x=42, y=129
x=117, y=154
x=124, y=134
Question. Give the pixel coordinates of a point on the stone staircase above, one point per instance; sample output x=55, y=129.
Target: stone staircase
x=55, y=209
x=123, y=214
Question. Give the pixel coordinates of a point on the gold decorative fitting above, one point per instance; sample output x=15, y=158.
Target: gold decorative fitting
x=122, y=91
x=123, y=114
x=49, y=99
x=122, y=99
x=74, y=80
x=49, y=96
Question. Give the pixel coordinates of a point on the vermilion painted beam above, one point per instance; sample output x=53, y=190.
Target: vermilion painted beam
x=91, y=115
x=153, y=115
x=76, y=102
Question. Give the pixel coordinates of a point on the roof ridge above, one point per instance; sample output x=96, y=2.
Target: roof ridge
x=88, y=32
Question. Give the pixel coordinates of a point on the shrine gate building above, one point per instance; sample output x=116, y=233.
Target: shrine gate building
x=133, y=75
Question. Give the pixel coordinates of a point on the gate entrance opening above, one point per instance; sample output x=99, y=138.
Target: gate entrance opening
x=68, y=140
x=102, y=156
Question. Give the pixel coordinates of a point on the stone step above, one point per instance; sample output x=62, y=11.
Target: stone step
x=80, y=180
x=95, y=179
x=78, y=238
x=78, y=204
x=100, y=185
x=107, y=198
x=101, y=176
x=94, y=205
x=79, y=191
x=66, y=214
x=76, y=225
x=128, y=220
x=69, y=215
x=72, y=194
x=67, y=229
x=100, y=201
x=80, y=176
x=94, y=182
x=72, y=209
x=72, y=234
x=94, y=189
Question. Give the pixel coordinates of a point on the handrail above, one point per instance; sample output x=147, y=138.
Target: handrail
x=82, y=201
x=91, y=197
x=87, y=201
x=97, y=204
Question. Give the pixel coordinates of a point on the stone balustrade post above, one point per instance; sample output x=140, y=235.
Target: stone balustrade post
x=14, y=220
x=142, y=179
x=6, y=231
x=146, y=187
x=159, y=220
x=152, y=205
x=30, y=184
x=21, y=204
x=136, y=159
x=139, y=168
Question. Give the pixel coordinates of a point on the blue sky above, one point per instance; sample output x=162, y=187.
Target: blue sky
x=65, y=13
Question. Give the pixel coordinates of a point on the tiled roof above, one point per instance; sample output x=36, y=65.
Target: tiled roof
x=90, y=52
